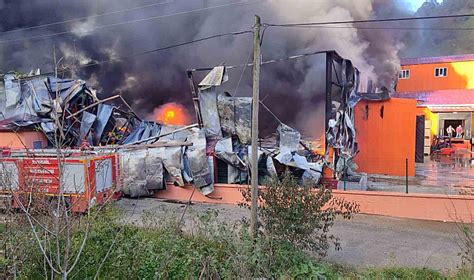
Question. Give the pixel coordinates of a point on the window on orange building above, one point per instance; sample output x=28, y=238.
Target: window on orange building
x=441, y=72
x=404, y=74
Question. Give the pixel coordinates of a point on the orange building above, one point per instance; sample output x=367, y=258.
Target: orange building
x=23, y=139
x=444, y=90
x=386, y=136
x=436, y=73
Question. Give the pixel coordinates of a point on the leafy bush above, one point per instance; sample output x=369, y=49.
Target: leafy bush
x=300, y=215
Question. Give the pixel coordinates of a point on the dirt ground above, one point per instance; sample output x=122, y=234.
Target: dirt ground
x=367, y=241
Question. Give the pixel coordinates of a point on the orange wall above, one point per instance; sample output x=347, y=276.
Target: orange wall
x=422, y=78
x=22, y=139
x=385, y=143
x=414, y=206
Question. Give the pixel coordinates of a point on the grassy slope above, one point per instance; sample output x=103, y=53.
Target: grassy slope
x=147, y=252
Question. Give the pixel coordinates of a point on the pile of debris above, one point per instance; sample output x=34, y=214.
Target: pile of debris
x=68, y=112
x=226, y=121
x=215, y=150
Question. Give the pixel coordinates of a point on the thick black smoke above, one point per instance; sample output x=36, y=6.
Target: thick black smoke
x=292, y=89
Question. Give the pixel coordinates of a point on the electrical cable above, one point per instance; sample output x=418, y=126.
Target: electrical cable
x=243, y=71
x=85, y=18
x=264, y=62
x=367, y=20
x=127, y=22
x=247, y=62
x=394, y=28
x=263, y=35
x=163, y=48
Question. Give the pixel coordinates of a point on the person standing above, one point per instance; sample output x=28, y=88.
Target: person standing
x=450, y=131
x=459, y=131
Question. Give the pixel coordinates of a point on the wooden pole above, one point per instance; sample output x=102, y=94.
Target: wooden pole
x=255, y=105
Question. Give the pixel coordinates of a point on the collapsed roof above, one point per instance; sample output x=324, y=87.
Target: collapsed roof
x=215, y=150
x=68, y=112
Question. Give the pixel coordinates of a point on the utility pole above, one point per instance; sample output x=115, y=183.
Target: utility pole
x=255, y=105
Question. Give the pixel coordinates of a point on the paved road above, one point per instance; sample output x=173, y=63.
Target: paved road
x=366, y=240
x=384, y=241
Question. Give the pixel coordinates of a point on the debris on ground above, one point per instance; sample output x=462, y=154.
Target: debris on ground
x=215, y=150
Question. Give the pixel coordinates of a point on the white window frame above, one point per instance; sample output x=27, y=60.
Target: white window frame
x=404, y=74
x=439, y=71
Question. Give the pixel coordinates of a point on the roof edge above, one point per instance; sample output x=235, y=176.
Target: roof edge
x=436, y=59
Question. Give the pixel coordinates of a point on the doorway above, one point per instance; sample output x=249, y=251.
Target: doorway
x=453, y=123
x=420, y=139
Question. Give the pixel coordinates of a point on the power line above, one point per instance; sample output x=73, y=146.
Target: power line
x=271, y=61
x=367, y=20
x=247, y=62
x=164, y=48
x=127, y=22
x=292, y=57
x=244, y=68
x=86, y=17
x=392, y=28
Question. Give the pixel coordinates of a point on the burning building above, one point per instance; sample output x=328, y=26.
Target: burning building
x=215, y=150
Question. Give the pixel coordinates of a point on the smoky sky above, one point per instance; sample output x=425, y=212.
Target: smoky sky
x=292, y=89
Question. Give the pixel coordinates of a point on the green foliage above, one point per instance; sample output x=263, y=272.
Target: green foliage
x=464, y=274
x=403, y=273
x=16, y=251
x=152, y=251
x=301, y=215
x=160, y=249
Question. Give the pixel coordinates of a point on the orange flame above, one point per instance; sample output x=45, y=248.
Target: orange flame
x=172, y=114
x=317, y=145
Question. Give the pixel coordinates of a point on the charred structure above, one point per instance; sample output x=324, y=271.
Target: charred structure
x=215, y=150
